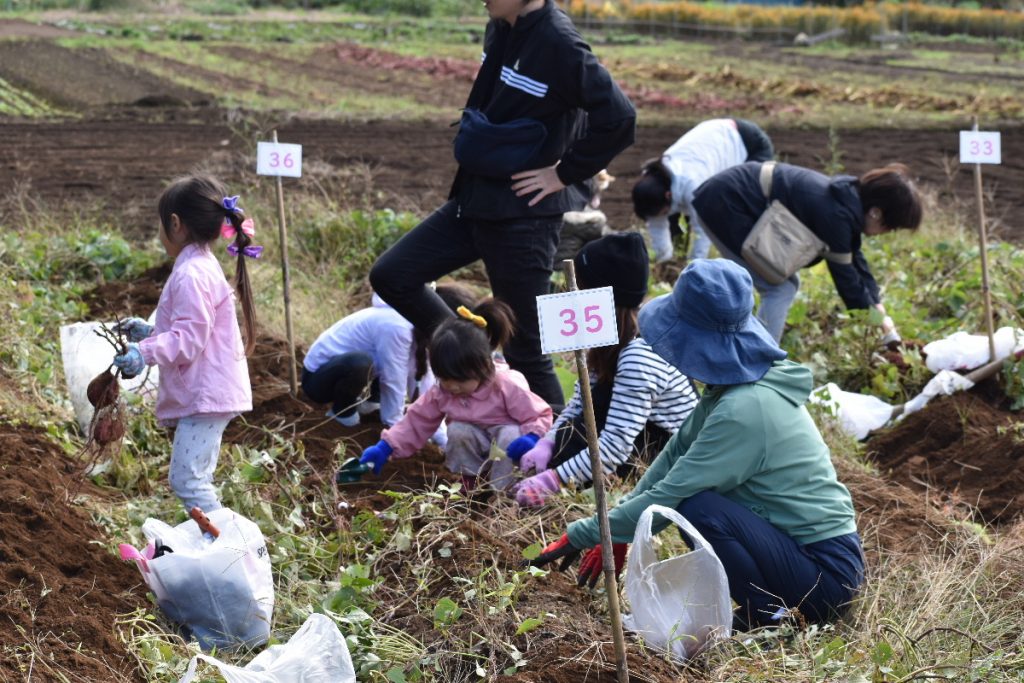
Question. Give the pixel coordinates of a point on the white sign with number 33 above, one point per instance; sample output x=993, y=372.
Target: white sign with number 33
x=577, y=320
x=278, y=158
x=978, y=147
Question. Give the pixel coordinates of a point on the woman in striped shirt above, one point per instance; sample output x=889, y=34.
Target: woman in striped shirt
x=639, y=399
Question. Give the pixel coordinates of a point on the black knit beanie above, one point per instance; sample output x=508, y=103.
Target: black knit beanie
x=618, y=261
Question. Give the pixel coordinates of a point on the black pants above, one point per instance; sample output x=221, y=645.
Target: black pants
x=517, y=254
x=758, y=144
x=572, y=437
x=341, y=381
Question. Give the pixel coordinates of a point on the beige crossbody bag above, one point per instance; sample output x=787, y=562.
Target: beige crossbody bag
x=779, y=244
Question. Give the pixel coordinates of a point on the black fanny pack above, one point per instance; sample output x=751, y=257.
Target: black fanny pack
x=497, y=150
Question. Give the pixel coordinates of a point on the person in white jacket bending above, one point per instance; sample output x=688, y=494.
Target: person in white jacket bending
x=370, y=359
x=667, y=184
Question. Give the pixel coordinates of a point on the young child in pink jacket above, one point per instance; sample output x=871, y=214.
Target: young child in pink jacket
x=480, y=397
x=196, y=341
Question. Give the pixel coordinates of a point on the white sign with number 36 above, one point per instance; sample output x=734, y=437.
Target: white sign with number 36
x=278, y=158
x=977, y=147
x=577, y=320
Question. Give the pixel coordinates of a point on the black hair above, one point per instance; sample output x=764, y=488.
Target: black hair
x=453, y=295
x=649, y=192
x=501, y=321
x=197, y=201
x=461, y=350
x=891, y=191
x=603, y=361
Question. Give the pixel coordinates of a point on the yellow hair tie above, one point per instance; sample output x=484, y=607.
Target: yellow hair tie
x=472, y=317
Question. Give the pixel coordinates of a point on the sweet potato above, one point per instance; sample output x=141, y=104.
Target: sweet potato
x=108, y=428
x=103, y=390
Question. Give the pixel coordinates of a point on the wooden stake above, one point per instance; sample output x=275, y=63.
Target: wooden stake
x=986, y=292
x=287, y=282
x=597, y=472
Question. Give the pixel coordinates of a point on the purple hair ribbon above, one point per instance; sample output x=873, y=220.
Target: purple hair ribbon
x=252, y=251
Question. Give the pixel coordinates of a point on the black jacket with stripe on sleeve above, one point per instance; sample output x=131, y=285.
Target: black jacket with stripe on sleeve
x=541, y=69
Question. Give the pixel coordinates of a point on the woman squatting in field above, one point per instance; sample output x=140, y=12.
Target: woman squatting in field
x=480, y=398
x=196, y=341
x=838, y=209
x=748, y=468
x=639, y=398
x=540, y=86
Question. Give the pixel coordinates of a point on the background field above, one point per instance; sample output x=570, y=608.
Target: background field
x=98, y=110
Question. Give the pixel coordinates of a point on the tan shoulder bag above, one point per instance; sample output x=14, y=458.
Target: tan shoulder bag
x=779, y=244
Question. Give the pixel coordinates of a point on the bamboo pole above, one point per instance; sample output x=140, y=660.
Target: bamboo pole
x=287, y=283
x=597, y=473
x=983, y=240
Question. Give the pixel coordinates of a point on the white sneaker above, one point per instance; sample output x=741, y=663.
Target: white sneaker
x=367, y=407
x=344, y=420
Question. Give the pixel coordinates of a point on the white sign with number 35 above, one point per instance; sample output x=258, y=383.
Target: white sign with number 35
x=278, y=158
x=978, y=147
x=577, y=320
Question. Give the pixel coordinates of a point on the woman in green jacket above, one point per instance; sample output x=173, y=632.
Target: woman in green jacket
x=748, y=468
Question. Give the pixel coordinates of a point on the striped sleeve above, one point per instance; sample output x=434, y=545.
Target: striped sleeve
x=646, y=388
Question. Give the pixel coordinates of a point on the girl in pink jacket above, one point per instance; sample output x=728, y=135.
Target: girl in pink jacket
x=482, y=400
x=196, y=341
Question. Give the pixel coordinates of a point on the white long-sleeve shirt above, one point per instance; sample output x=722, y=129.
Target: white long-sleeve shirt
x=381, y=332
x=646, y=389
x=708, y=148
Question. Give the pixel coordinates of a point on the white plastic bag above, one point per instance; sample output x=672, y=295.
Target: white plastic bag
x=679, y=604
x=223, y=590
x=86, y=355
x=858, y=414
x=317, y=653
x=963, y=351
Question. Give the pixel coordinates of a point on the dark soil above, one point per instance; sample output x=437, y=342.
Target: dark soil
x=85, y=77
x=137, y=298
x=960, y=453
x=61, y=587
x=410, y=164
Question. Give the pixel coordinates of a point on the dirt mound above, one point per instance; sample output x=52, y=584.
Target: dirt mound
x=83, y=77
x=961, y=452
x=62, y=593
x=470, y=553
x=277, y=414
x=17, y=28
x=137, y=297
x=890, y=516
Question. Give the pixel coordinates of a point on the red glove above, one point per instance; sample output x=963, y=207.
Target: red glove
x=561, y=549
x=592, y=565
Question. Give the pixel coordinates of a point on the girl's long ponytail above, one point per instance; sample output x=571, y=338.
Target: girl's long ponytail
x=243, y=288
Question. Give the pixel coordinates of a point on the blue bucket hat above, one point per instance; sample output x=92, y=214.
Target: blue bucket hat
x=705, y=327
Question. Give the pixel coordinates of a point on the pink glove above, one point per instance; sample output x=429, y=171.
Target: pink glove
x=535, y=491
x=538, y=457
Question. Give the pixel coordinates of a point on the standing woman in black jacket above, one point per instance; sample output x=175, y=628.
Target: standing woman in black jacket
x=508, y=212
x=838, y=209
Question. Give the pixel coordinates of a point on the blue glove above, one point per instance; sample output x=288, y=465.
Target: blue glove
x=377, y=455
x=520, y=446
x=137, y=329
x=130, y=363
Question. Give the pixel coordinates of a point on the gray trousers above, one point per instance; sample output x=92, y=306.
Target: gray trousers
x=469, y=452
